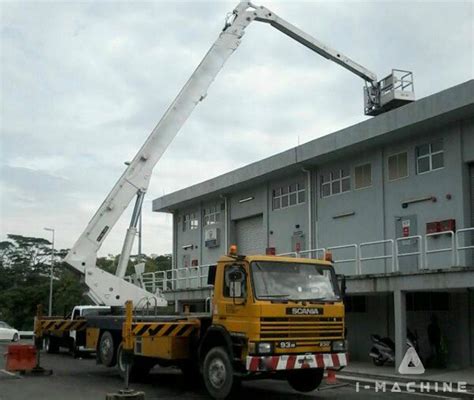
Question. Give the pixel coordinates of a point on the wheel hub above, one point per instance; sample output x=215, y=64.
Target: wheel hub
x=217, y=373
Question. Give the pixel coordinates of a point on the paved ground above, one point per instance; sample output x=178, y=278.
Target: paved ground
x=76, y=379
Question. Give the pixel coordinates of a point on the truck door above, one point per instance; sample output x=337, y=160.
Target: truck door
x=234, y=300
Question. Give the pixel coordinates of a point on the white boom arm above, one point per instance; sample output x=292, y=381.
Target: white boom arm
x=112, y=289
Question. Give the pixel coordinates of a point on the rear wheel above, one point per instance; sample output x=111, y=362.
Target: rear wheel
x=305, y=380
x=218, y=374
x=50, y=344
x=107, y=354
x=15, y=337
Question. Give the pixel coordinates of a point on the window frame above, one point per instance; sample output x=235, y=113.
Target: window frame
x=211, y=217
x=284, y=191
x=331, y=181
x=371, y=180
x=429, y=156
x=388, y=166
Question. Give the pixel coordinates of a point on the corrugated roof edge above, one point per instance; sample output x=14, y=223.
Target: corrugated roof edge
x=457, y=101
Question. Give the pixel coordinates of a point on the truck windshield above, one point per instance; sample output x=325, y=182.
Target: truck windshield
x=293, y=281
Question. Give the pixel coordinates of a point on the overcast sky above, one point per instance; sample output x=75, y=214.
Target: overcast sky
x=84, y=83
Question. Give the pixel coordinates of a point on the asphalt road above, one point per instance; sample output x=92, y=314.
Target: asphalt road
x=77, y=379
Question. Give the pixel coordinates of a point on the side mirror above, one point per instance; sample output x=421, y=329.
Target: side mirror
x=236, y=276
x=236, y=282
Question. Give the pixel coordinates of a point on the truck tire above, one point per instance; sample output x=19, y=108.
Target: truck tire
x=107, y=350
x=51, y=345
x=218, y=374
x=305, y=380
x=139, y=368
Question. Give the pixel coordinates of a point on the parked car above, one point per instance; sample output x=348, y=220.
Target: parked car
x=8, y=333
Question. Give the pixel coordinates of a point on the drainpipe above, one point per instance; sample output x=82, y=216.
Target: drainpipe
x=310, y=207
x=226, y=245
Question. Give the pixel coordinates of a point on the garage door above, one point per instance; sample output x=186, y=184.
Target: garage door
x=471, y=167
x=251, y=238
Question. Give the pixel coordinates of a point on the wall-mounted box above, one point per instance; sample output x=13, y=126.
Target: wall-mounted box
x=212, y=237
x=432, y=227
x=447, y=225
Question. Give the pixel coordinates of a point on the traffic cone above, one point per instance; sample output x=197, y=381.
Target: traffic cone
x=331, y=377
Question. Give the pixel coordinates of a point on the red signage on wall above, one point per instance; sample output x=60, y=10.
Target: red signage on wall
x=406, y=228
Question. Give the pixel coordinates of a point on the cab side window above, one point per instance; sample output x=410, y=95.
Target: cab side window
x=234, y=281
x=76, y=314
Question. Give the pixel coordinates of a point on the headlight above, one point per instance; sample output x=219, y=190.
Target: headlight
x=338, y=345
x=264, y=348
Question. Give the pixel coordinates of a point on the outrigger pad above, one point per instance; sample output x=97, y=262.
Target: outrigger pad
x=127, y=394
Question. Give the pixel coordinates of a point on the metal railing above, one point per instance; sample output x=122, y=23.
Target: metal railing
x=313, y=253
x=459, y=247
x=451, y=249
x=418, y=253
x=390, y=256
x=355, y=259
x=356, y=255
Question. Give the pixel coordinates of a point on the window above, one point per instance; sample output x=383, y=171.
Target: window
x=398, y=166
x=212, y=215
x=363, y=176
x=288, y=196
x=429, y=157
x=190, y=221
x=335, y=182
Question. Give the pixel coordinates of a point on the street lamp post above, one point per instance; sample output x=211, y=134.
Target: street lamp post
x=50, y=309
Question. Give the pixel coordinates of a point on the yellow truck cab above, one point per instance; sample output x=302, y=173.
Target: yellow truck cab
x=272, y=317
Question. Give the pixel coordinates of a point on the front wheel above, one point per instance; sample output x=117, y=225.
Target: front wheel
x=15, y=337
x=218, y=373
x=305, y=380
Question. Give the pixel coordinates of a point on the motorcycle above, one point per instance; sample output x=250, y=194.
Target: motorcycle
x=383, y=349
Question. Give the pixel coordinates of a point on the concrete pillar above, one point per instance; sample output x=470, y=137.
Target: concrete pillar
x=400, y=313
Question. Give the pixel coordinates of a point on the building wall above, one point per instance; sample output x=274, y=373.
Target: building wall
x=188, y=242
x=359, y=215
x=286, y=222
x=441, y=184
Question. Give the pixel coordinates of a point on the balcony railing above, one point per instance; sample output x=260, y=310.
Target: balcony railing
x=405, y=254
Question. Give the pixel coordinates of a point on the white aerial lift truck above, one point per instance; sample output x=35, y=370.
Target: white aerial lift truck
x=104, y=288
x=249, y=334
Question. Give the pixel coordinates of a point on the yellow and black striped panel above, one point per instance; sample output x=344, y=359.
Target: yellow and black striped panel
x=176, y=329
x=62, y=325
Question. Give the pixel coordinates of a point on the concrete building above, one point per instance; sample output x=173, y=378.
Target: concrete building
x=391, y=197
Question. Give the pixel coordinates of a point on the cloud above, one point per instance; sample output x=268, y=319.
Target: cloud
x=84, y=83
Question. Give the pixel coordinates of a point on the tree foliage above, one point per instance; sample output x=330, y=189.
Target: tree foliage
x=25, y=265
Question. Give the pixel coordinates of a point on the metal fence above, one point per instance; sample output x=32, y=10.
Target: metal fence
x=412, y=253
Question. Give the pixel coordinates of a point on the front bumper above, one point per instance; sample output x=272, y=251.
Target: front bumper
x=287, y=362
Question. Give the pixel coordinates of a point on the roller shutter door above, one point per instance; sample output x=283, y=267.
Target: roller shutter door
x=251, y=238
x=471, y=167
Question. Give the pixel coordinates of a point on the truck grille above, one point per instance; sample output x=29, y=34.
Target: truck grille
x=305, y=330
